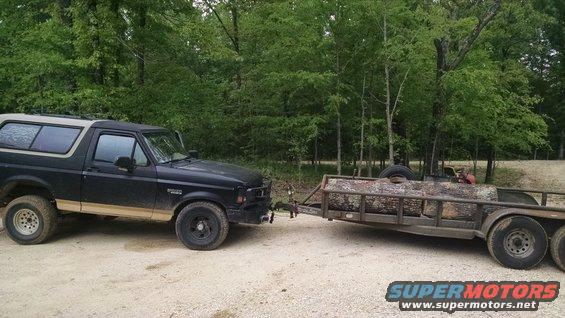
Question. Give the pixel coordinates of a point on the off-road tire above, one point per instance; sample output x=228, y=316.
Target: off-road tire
x=517, y=242
x=210, y=217
x=558, y=247
x=44, y=219
x=397, y=171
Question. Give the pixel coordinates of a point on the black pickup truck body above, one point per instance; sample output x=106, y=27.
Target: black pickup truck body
x=67, y=161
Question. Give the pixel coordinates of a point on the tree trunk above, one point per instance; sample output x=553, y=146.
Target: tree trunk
x=388, y=109
x=412, y=207
x=432, y=162
x=99, y=67
x=361, y=142
x=476, y=156
x=115, y=5
x=235, y=28
x=316, y=155
x=338, y=128
x=142, y=16
x=338, y=83
x=562, y=145
x=67, y=19
x=490, y=165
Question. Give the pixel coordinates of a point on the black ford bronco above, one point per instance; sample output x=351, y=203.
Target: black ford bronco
x=54, y=165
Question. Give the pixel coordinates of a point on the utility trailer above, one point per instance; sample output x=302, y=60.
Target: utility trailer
x=517, y=229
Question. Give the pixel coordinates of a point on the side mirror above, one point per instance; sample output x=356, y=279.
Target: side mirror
x=193, y=154
x=178, y=136
x=124, y=164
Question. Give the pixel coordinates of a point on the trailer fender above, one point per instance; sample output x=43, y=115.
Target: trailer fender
x=492, y=218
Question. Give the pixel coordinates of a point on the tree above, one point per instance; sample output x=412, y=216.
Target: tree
x=445, y=64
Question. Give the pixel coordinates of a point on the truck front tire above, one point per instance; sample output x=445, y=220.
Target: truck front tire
x=202, y=226
x=558, y=247
x=30, y=219
x=517, y=242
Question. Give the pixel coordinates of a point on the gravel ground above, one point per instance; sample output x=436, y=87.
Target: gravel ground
x=295, y=267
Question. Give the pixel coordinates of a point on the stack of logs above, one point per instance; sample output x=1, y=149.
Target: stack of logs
x=375, y=204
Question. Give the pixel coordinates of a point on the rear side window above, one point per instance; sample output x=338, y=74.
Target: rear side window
x=17, y=135
x=110, y=147
x=55, y=139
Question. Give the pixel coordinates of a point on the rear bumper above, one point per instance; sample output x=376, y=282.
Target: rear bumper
x=255, y=210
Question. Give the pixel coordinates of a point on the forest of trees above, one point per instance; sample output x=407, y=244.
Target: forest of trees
x=301, y=80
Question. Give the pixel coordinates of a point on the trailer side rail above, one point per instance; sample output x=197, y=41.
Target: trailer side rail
x=437, y=221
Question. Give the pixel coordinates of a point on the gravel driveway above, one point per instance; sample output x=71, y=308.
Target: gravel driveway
x=295, y=267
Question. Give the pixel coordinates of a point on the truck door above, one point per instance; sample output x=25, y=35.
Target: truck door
x=109, y=190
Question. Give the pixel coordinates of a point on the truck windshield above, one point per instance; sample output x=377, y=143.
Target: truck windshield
x=165, y=147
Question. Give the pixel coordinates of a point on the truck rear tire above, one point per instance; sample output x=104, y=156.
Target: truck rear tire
x=517, y=242
x=397, y=171
x=202, y=226
x=30, y=219
x=558, y=247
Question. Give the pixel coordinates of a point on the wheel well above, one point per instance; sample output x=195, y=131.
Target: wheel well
x=21, y=189
x=187, y=202
x=549, y=225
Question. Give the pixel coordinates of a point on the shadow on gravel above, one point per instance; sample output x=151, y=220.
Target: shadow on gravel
x=146, y=235
x=85, y=224
x=241, y=234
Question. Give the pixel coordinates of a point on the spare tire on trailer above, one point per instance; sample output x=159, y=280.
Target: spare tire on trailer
x=397, y=171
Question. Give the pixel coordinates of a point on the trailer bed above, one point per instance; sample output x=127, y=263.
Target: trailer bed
x=437, y=225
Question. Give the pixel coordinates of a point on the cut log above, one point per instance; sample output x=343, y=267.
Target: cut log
x=458, y=211
x=345, y=202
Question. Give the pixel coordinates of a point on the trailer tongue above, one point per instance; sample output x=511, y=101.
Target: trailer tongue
x=512, y=229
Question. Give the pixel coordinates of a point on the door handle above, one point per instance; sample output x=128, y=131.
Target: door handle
x=93, y=169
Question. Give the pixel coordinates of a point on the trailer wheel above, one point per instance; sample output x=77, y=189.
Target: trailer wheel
x=202, y=226
x=517, y=242
x=397, y=171
x=558, y=247
x=30, y=219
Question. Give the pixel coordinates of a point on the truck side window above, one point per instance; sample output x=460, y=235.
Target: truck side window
x=110, y=147
x=139, y=157
x=17, y=135
x=55, y=139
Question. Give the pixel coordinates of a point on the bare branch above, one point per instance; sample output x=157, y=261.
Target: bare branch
x=376, y=98
x=221, y=23
x=466, y=44
x=399, y=92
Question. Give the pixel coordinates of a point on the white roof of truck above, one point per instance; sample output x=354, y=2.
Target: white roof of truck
x=46, y=119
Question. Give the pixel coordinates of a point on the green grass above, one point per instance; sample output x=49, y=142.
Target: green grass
x=503, y=177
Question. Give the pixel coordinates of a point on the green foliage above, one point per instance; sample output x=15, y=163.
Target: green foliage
x=267, y=79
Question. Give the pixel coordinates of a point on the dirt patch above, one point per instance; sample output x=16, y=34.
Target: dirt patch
x=226, y=313
x=157, y=266
x=144, y=245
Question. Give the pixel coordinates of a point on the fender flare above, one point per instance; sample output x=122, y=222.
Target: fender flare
x=14, y=181
x=200, y=196
x=497, y=215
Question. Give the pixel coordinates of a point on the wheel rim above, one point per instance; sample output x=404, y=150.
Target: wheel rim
x=200, y=227
x=26, y=221
x=519, y=243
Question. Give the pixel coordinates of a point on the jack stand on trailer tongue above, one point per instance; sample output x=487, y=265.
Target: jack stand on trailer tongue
x=291, y=202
